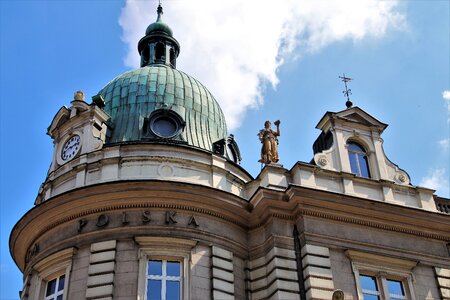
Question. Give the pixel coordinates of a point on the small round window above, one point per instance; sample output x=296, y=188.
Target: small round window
x=164, y=126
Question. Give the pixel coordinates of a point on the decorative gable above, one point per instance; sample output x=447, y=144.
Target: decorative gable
x=354, y=126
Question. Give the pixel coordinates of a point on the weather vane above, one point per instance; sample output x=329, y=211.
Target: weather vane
x=347, y=91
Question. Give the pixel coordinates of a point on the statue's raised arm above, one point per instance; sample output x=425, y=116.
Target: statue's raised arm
x=269, y=140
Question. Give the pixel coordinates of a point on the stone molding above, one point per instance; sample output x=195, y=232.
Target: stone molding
x=379, y=260
x=56, y=264
x=55, y=260
x=142, y=162
x=272, y=207
x=288, y=206
x=157, y=241
x=374, y=225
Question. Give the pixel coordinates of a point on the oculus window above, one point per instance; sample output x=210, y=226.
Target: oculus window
x=164, y=127
x=163, y=280
x=165, y=124
x=359, y=162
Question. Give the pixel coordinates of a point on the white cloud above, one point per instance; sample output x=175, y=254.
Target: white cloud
x=446, y=97
x=444, y=144
x=437, y=180
x=235, y=47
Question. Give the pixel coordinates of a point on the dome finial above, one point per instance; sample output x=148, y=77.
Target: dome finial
x=158, y=46
x=159, y=11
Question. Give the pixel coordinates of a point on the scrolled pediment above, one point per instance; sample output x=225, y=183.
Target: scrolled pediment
x=61, y=117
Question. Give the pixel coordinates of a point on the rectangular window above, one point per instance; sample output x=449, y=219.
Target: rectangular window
x=380, y=277
x=164, y=280
x=55, y=288
x=369, y=287
x=375, y=287
x=396, y=290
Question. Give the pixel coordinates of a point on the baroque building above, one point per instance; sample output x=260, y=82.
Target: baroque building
x=145, y=199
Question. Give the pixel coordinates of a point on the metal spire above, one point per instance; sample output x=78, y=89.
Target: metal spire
x=159, y=11
x=347, y=91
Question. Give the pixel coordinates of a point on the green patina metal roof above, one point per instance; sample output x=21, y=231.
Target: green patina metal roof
x=134, y=95
x=159, y=25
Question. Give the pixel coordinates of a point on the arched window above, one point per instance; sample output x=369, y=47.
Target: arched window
x=160, y=52
x=172, y=57
x=359, y=162
x=145, y=55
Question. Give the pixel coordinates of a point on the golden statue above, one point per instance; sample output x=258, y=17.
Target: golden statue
x=269, y=140
x=78, y=96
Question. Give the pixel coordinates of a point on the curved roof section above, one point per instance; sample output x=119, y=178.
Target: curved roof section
x=130, y=98
x=159, y=26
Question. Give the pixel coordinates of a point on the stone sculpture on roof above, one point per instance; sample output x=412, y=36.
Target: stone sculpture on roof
x=269, y=140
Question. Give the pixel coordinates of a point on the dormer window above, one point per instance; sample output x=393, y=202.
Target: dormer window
x=359, y=163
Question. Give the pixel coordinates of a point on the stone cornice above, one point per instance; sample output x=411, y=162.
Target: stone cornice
x=303, y=201
x=124, y=196
x=156, y=241
x=60, y=257
x=265, y=206
x=376, y=259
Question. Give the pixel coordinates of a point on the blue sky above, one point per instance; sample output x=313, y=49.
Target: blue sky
x=271, y=61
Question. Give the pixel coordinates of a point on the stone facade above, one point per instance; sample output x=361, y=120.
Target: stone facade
x=102, y=216
x=236, y=247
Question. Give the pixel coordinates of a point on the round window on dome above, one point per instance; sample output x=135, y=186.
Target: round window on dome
x=165, y=124
x=164, y=127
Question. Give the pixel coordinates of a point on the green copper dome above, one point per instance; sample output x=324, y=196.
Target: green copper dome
x=131, y=98
x=159, y=26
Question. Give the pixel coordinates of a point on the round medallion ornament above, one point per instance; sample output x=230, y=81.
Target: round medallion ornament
x=165, y=170
x=401, y=178
x=71, y=148
x=338, y=295
x=322, y=161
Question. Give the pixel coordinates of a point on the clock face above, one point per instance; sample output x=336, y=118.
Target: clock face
x=71, y=147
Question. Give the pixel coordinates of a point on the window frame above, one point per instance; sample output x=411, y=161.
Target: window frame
x=383, y=268
x=57, y=292
x=164, y=277
x=51, y=267
x=164, y=248
x=373, y=293
x=364, y=154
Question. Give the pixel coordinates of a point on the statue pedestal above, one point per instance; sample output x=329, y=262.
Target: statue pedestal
x=274, y=165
